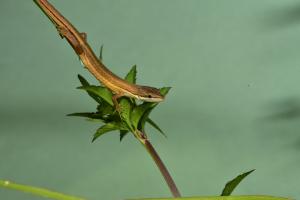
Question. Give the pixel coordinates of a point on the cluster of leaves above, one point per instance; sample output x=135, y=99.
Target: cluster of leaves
x=132, y=116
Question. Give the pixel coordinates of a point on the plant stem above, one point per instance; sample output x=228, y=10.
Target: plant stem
x=161, y=166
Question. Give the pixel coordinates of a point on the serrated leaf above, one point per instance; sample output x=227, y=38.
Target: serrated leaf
x=149, y=106
x=138, y=112
x=231, y=185
x=104, y=129
x=152, y=123
x=85, y=83
x=145, y=117
x=125, y=103
x=131, y=76
x=100, y=91
x=108, y=128
x=105, y=109
x=143, y=120
x=242, y=197
x=123, y=133
x=125, y=111
x=41, y=192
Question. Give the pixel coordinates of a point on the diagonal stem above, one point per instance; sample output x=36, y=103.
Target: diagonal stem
x=161, y=166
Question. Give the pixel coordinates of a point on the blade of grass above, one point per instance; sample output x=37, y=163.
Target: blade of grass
x=243, y=197
x=37, y=191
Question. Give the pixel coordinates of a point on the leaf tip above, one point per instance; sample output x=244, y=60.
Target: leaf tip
x=165, y=90
x=93, y=139
x=231, y=185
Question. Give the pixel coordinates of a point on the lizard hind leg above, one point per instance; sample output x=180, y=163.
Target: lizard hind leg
x=62, y=31
x=84, y=36
x=65, y=33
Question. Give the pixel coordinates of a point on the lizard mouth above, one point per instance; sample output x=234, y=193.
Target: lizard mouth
x=153, y=99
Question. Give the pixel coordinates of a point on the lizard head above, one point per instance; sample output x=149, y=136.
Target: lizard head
x=150, y=94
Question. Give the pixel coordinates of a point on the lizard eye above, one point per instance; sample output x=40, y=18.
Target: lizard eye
x=149, y=96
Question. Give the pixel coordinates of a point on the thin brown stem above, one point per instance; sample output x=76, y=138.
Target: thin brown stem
x=161, y=166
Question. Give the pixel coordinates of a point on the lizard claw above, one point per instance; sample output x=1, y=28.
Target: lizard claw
x=61, y=31
x=118, y=108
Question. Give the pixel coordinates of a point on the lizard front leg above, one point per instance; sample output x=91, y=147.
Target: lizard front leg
x=115, y=98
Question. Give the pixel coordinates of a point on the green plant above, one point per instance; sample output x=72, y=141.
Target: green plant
x=131, y=119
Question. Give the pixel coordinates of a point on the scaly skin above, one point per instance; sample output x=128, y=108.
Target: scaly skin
x=79, y=43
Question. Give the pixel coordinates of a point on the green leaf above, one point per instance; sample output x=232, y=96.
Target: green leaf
x=231, y=185
x=143, y=120
x=108, y=128
x=100, y=91
x=138, y=112
x=125, y=111
x=90, y=115
x=125, y=103
x=37, y=191
x=243, y=197
x=101, y=51
x=131, y=76
x=148, y=107
x=85, y=83
x=141, y=112
x=105, y=109
x=164, y=90
x=152, y=123
x=123, y=133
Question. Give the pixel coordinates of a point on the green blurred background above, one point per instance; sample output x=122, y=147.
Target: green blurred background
x=234, y=105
